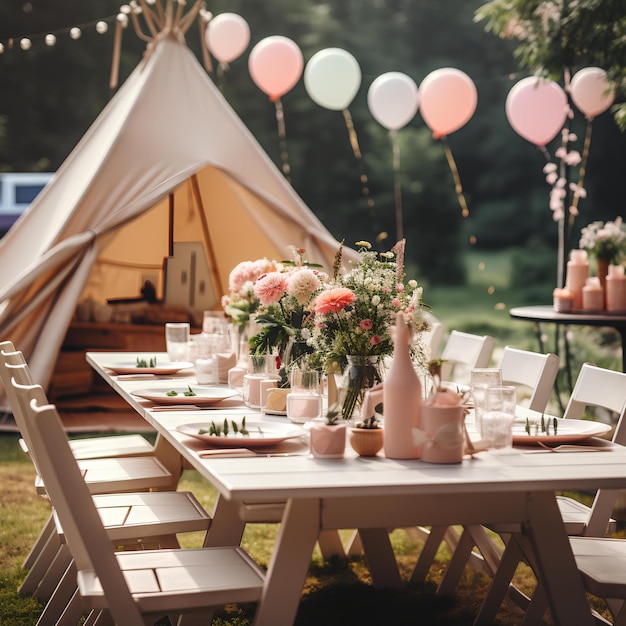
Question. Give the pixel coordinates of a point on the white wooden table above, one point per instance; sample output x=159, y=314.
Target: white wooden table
x=374, y=494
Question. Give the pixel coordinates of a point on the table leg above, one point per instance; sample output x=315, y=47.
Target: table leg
x=226, y=527
x=290, y=563
x=554, y=560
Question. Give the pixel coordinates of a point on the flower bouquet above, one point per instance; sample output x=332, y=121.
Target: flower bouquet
x=604, y=240
x=285, y=309
x=354, y=315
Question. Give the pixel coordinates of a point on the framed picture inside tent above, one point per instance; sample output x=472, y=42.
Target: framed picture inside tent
x=188, y=280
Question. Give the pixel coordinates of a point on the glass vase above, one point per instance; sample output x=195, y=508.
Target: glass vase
x=360, y=374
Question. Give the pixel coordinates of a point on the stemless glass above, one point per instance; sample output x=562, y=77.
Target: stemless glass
x=304, y=401
x=177, y=341
x=498, y=417
x=481, y=378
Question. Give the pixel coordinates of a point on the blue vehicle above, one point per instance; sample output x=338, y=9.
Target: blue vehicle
x=17, y=191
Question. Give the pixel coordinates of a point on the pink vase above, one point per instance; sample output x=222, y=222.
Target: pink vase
x=402, y=399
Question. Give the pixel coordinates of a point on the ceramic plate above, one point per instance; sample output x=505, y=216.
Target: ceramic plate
x=203, y=395
x=568, y=431
x=162, y=368
x=260, y=433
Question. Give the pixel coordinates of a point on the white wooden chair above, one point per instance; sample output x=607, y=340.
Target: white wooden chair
x=147, y=519
x=132, y=520
x=433, y=338
x=131, y=588
x=536, y=373
x=594, y=387
x=463, y=352
x=94, y=447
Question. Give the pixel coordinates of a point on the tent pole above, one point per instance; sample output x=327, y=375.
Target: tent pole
x=217, y=282
x=170, y=226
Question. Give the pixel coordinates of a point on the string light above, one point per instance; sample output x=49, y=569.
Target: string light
x=26, y=42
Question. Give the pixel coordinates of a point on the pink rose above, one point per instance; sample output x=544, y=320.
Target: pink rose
x=366, y=324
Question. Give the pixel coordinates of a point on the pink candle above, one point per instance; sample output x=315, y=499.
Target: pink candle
x=577, y=274
x=593, y=295
x=616, y=289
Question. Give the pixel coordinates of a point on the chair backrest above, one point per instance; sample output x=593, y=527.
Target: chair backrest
x=533, y=370
x=13, y=365
x=599, y=387
x=86, y=537
x=433, y=338
x=467, y=351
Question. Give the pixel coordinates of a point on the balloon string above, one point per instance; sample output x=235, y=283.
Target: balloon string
x=282, y=139
x=582, y=170
x=457, y=179
x=356, y=149
x=397, y=186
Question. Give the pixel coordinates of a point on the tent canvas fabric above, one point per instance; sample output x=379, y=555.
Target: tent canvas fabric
x=166, y=160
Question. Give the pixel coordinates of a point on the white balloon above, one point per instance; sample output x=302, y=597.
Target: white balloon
x=227, y=36
x=591, y=91
x=393, y=100
x=332, y=78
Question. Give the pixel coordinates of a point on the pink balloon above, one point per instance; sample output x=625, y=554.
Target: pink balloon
x=536, y=109
x=227, y=36
x=449, y=98
x=591, y=92
x=275, y=65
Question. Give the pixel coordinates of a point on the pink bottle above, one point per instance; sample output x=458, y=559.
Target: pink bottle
x=402, y=399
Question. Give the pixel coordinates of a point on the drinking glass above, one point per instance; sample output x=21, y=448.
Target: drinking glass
x=498, y=416
x=177, y=341
x=260, y=367
x=481, y=378
x=204, y=354
x=304, y=401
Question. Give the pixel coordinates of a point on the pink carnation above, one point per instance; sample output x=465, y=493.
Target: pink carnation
x=374, y=340
x=334, y=300
x=247, y=271
x=366, y=324
x=270, y=288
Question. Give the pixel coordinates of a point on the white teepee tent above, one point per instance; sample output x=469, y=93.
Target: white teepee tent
x=166, y=160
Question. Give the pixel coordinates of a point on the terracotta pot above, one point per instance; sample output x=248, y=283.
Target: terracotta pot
x=366, y=441
x=328, y=442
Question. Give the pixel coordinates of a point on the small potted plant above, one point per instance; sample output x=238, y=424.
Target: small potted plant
x=328, y=438
x=366, y=436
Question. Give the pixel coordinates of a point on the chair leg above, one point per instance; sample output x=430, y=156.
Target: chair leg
x=427, y=554
x=330, y=544
x=74, y=610
x=509, y=561
x=457, y=564
x=45, y=533
x=40, y=565
x=54, y=574
x=62, y=596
